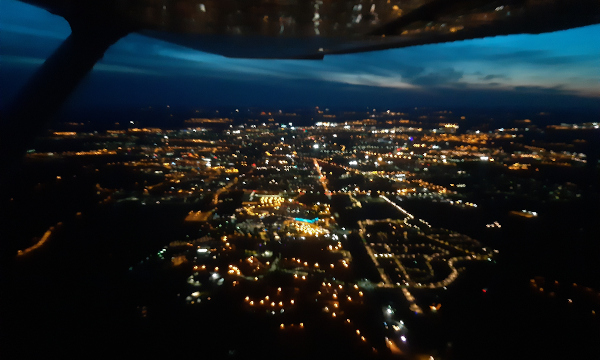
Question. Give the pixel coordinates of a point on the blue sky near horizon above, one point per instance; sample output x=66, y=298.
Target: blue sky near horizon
x=501, y=70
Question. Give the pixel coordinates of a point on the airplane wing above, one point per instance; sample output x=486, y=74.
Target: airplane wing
x=284, y=29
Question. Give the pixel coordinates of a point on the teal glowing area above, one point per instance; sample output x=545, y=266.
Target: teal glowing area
x=307, y=220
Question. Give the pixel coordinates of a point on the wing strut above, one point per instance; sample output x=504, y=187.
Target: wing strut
x=48, y=89
x=40, y=99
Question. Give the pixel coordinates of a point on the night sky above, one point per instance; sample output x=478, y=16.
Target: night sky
x=556, y=70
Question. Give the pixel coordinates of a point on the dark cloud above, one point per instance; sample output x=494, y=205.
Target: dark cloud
x=494, y=76
x=521, y=55
x=564, y=60
x=377, y=63
x=555, y=90
x=441, y=77
x=459, y=85
x=540, y=57
x=406, y=71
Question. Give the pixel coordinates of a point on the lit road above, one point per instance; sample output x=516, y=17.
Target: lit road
x=322, y=178
x=397, y=207
x=215, y=200
x=37, y=245
x=199, y=216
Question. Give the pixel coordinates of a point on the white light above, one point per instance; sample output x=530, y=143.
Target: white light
x=316, y=146
x=403, y=338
